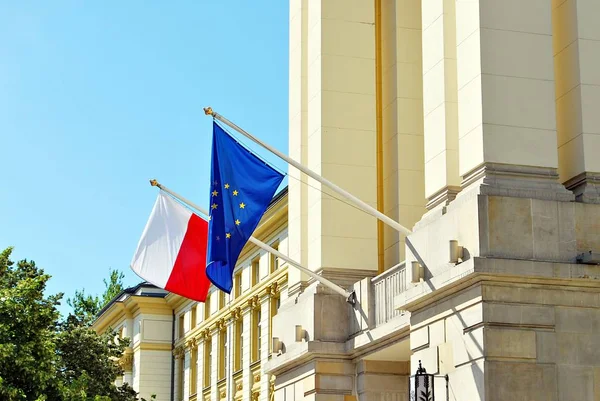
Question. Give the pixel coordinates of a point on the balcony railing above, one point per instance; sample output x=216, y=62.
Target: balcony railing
x=386, y=286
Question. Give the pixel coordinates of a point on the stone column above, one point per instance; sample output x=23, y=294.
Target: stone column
x=401, y=108
x=200, y=368
x=265, y=313
x=507, y=124
x=214, y=374
x=341, y=137
x=186, y=374
x=247, y=374
x=576, y=35
x=440, y=102
x=298, y=101
x=230, y=359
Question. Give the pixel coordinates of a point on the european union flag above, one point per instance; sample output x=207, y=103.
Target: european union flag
x=242, y=187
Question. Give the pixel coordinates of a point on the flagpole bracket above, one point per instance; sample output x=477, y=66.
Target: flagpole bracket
x=351, y=299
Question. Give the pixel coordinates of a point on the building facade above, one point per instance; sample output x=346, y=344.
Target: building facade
x=472, y=122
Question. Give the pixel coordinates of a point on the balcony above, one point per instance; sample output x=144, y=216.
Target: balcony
x=375, y=298
x=385, y=287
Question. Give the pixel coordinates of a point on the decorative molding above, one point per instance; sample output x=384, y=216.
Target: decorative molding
x=203, y=335
x=586, y=187
x=517, y=181
x=222, y=394
x=179, y=352
x=272, y=290
x=236, y=314
x=191, y=343
x=153, y=347
x=342, y=277
x=253, y=303
x=255, y=395
x=218, y=320
x=126, y=361
x=256, y=377
x=443, y=196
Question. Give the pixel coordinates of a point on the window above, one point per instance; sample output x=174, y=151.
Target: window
x=273, y=259
x=193, y=316
x=207, y=307
x=255, y=336
x=258, y=334
x=255, y=272
x=222, y=353
x=239, y=345
x=194, y=371
x=181, y=325
x=207, y=361
x=221, y=299
x=275, y=302
x=180, y=378
x=238, y=284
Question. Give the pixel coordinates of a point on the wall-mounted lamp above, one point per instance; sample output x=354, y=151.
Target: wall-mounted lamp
x=277, y=345
x=589, y=258
x=418, y=272
x=456, y=251
x=299, y=333
x=421, y=385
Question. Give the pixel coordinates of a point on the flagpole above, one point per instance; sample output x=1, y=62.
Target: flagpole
x=359, y=203
x=350, y=296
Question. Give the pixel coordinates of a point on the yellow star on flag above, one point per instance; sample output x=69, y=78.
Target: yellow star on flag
x=237, y=222
x=228, y=235
x=235, y=192
x=209, y=217
x=226, y=186
x=213, y=206
x=215, y=193
x=218, y=238
x=242, y=205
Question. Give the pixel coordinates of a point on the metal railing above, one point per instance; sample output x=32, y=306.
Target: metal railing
x=386, y=286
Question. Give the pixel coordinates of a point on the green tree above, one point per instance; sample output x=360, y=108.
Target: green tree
x=28, y=324
x=114, y=286
x=43, y=358
x=86, y=307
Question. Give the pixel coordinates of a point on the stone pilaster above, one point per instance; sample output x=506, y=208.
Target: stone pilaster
x=214, y=374
x=506, y=110
x=186, y=374
x=247, y=375
x=440, y=102
x=576, y=46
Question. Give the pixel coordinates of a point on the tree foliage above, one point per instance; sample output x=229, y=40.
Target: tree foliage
x=44, y=358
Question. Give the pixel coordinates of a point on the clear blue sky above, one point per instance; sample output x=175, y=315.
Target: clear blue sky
x=98, y=97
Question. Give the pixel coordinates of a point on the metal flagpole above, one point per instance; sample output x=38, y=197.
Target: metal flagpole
x=350, y=296
x=359, y=203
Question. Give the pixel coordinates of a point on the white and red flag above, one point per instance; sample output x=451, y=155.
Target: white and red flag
x=172, y=251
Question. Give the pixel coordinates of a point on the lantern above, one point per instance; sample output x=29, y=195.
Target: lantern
x=420, y=386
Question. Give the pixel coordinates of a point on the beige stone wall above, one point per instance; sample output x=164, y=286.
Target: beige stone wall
x=403, y=184
x=576, y=46
x=500, y=341
x=336, y=137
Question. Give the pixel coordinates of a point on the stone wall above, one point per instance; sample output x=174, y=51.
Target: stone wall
x=523, y=339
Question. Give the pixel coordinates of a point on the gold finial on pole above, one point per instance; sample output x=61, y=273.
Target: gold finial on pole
x=208, y=111
x=154, y=183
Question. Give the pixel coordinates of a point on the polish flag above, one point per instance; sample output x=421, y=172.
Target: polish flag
x=172, y=251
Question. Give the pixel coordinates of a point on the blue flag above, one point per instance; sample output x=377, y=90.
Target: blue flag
x=242, y=187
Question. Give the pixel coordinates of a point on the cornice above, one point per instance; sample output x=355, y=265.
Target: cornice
x=115, y=313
